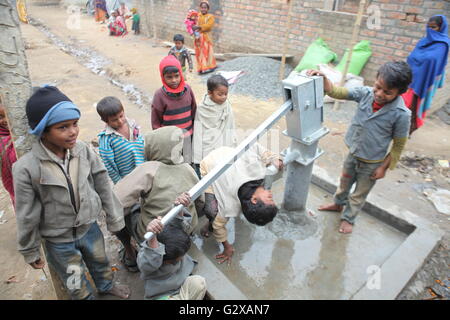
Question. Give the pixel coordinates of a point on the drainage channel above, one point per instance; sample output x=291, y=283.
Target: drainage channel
x=96, y=63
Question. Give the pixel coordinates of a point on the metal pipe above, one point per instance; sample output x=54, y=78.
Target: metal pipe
x=212, y=176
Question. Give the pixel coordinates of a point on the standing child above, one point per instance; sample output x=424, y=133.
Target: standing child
x=381, y=117
x=62, y=187
x=191, y=21
x=7, y=153
x=181, y=53
x=166, y=268
x=214, y=125
x=121, y=145
x=174, y=103
x=136, y=21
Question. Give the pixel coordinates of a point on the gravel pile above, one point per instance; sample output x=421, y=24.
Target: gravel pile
x=260, y=78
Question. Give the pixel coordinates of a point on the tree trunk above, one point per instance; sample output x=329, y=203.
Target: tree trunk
x=15, y=84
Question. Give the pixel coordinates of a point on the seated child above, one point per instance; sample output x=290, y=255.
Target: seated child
x=7, y=153
x=165, y=266
x=174, y=104
x=121, y=145
x=190, y=21
x=214, y=125
x=181, y=53
x=136, y=21
x=381, y=117
x=62, y=187
x=117, y=26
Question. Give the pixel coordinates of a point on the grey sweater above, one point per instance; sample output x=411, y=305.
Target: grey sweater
x=58, y=206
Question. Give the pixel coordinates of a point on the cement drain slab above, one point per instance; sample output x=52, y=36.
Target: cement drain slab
x=296, y=259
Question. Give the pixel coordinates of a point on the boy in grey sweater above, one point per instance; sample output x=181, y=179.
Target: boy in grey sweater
x=61, y=187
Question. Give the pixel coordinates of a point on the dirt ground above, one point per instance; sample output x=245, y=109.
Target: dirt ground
x=135, y=60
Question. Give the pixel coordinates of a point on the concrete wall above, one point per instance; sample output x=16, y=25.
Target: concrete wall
x=259, y=26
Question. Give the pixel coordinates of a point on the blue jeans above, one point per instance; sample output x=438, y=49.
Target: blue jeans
x=70, y=259
x=354, y=171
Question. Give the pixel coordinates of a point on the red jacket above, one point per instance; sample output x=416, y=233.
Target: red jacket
x=8, y=157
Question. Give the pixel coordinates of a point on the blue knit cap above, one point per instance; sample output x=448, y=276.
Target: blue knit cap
x=62, y=111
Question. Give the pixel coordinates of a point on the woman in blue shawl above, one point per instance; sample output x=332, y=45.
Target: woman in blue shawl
x=427, y=61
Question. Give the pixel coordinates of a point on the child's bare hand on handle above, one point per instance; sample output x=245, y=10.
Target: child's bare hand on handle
x=327, y=84
x=155, y=226
x=184, y=199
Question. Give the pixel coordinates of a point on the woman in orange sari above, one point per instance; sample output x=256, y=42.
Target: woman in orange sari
x=100, y=11
x=204, y=53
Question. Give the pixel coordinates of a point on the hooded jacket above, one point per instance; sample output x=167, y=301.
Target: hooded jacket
x=157, y=183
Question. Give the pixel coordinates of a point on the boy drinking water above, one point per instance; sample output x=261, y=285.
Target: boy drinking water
x=61, y=187
x=174, y=104
x=381, y=117
x=181, y=53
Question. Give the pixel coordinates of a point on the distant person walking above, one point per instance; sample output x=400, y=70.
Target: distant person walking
x=427, y=61
x=204, y=53
x=100, y=11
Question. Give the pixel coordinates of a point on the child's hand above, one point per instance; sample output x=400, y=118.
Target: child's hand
x=184, y=199
x=155, y=226
x=379, y=173
x=327, y=85
x=38, y=264
x=278, y=164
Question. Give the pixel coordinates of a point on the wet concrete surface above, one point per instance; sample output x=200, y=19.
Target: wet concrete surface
x=298, y=258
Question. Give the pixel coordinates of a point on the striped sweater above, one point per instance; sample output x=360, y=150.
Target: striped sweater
x=120, y=155
x=174, y=110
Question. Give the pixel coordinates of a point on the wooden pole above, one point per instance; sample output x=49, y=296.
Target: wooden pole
x=286, y=38
x=356, y=28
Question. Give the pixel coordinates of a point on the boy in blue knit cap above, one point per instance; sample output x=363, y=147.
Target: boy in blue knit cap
x=61, y=188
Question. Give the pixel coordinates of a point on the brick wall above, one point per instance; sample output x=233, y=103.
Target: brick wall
x=260, y=26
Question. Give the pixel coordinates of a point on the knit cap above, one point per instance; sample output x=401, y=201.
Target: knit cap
x=47, y=106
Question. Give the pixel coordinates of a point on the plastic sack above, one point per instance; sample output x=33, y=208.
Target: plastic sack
x=318, y=52
x=361, y=54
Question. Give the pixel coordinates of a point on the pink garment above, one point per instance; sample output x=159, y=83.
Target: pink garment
x=189, y=24
x=8, y=156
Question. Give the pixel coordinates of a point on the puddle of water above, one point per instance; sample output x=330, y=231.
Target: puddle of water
x=301, y=257
x=95, y=62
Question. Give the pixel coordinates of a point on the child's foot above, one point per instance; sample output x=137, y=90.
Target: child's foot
x=331, y=207
x=345, y=227
x=204, y=231
x=121, y=291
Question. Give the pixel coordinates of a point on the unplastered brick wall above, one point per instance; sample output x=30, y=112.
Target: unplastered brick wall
x=261, y=26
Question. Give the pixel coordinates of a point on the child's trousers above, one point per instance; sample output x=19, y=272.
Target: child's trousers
x=359, y=172
x=71, y=258
x=193, y=288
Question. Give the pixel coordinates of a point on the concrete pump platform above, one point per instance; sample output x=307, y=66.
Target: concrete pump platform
x=294, y=258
